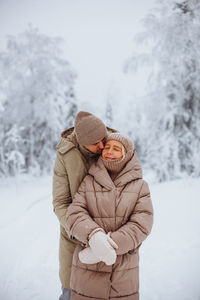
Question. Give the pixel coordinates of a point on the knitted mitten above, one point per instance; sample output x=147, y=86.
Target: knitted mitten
x=103, y=247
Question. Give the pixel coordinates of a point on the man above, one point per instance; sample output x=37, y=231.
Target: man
x=78, y=148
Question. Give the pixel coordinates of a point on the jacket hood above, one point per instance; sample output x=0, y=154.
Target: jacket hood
x=131, y=171
x=67, y=141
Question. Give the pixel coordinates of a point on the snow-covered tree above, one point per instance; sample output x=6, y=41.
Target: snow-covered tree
x=38, y=89
x=13, y=155
x=172, y=133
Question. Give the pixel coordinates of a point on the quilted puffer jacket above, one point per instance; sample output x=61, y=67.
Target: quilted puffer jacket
x=122, y=207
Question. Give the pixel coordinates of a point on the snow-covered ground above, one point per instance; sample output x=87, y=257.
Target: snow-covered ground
x=29, y=233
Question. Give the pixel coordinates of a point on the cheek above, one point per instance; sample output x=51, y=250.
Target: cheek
x=120, y=155
x=103, y=153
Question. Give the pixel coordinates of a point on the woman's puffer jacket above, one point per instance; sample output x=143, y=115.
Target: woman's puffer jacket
x=122, y=207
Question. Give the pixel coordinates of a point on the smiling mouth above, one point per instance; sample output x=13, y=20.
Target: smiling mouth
x=109, y=158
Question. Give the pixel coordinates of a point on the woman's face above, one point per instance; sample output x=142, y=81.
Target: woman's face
x=112, y=150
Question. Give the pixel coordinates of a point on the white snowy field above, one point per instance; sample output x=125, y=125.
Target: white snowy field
x=29, y=233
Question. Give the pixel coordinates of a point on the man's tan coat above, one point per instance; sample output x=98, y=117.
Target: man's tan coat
x=71, y=166
x=122, y=207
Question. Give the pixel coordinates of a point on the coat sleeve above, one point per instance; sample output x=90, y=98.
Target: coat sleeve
x=78, y=220
x=131, y=235
x=61, y=190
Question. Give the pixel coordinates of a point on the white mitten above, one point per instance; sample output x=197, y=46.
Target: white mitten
x=103, y=247
x=87, y=256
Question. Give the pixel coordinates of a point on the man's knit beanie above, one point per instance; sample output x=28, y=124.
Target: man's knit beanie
x=117, y=165
x=88, y=128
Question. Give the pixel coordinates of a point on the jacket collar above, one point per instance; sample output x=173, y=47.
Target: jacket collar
x=130, y=172
x=100, y=174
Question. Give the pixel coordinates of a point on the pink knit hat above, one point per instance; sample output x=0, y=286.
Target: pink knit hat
x=88, y=128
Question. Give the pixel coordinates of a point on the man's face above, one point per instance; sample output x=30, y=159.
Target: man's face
x=96, y=148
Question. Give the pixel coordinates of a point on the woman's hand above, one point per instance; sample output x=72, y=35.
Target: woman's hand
x=103, y=247
x=87, y=256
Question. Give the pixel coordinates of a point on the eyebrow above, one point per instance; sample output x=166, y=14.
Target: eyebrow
x=114, y=146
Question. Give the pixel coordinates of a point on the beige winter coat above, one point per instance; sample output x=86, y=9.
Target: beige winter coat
x=71, y=166
x=122, y=207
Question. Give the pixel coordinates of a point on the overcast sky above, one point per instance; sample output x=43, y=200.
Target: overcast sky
x=97, y=35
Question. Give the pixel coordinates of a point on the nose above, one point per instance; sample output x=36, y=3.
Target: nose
x=109, y=150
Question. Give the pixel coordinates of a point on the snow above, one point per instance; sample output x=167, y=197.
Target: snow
x=170, y=260
x=29, y=234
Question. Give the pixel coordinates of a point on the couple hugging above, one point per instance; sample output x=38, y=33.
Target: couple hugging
x=105, y=211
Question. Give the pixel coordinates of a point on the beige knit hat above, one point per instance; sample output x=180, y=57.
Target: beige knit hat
x=125, y=141
x=117, y=165
x=88, y=128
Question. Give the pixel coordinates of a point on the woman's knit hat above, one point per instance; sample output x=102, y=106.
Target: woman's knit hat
x=125, y=141
x=117, y=165
x=88, y=128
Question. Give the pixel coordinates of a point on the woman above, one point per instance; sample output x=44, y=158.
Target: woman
x=110, y=216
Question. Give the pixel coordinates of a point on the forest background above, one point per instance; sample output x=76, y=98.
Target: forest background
x=136, y=65
x=39, y=97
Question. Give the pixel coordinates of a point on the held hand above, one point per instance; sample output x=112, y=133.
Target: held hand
x=87, y=256
x=103, y=247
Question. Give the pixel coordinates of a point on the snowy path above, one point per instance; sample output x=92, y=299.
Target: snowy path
x=29, y=231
